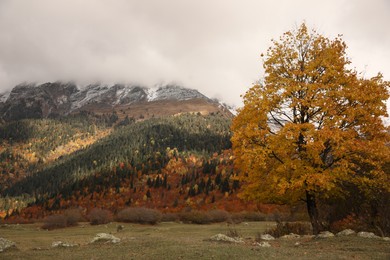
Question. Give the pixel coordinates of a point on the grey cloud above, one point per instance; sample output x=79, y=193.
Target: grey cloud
x=213, y=46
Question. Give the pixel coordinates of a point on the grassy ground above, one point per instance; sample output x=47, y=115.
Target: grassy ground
x=181, y=241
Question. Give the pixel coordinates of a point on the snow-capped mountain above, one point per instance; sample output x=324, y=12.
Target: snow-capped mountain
x=4, y=96
x=169, y=92
x=57, y=99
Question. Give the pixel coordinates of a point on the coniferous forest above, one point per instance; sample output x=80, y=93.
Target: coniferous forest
x=90, y=161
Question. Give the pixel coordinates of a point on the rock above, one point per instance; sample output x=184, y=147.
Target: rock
x=367, y=235
x=290, y=236
x=386, y=238
x=325, y=234
x=39, y=249
x=225, y=238
x=60, y=99
x=263, y=244
x=6, y=244
x=106, y=238
x=267, y=237
x=62, y=244
x=346, y=232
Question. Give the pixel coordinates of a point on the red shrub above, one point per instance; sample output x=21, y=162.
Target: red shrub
x=139, y=215
x=73, y=216
x=54, y=221
x=218, y=216
x=99, y=216
x=195, y=217
x=170, y=217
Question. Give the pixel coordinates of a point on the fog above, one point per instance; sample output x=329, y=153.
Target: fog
x=213, y=46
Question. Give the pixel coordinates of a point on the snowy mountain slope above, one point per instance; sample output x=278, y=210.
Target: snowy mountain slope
x=51, y=99
x=4, y=96
x=172, y=92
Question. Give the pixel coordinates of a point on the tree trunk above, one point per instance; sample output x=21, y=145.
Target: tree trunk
x=313, y=212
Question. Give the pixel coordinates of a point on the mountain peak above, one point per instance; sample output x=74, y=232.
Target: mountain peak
x=57, y=99
x=173, y=92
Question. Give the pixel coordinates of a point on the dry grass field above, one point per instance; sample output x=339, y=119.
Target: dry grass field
x=181, y=241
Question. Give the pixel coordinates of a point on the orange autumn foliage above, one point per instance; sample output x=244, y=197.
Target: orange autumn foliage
x=310, y=125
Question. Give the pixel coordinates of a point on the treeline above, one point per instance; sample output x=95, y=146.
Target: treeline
x=29, y=145
x=187, y=181
x=142, y=145
x=45, y=135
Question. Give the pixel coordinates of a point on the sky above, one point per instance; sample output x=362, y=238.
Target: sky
x=210, y=45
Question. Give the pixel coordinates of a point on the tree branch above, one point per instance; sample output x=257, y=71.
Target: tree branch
x=277, y=158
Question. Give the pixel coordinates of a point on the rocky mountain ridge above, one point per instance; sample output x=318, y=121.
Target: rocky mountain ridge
x=59, y=99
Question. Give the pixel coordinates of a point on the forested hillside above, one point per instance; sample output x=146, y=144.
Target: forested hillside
x=183, y=154
x=31, y=144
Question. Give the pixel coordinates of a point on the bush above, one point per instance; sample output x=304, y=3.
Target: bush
x=18, y=220
x=54, y=221
x=349, y=222
x=285, y=228
x=170, y=217
x=254, y=216
x=217, y=216
x=73, y=216
x=139, y=215
x=195, y=217
x=99, y=216
x=236, y=218
x=233, y=233
x=383, y=219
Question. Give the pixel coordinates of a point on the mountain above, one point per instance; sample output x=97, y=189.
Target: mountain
x=61, y=99
x=168, y=163
x=112, y=146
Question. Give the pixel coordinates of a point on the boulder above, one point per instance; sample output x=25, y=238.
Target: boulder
x=62, y=244
x=367, y=235
x=106, y=238
x=6, y=244
x=266, y=237
x=290, y=236
x=263, y=244
x=346, y=232
x=325, y=234
x=225, y=238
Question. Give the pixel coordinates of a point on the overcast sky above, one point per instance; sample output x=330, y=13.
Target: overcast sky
x=211, y=45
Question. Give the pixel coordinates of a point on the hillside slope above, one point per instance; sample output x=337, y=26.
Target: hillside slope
x=61, y=99
x=176, y=157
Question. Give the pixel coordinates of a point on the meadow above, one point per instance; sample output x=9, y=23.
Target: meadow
x=171, y=240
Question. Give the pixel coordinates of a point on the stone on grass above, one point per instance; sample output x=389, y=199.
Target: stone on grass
x=325, y=234
x=263, y=244
x=6, y=244
x=62, y=244
x=290, y=236
x=225, y=238
x=346, y=232
x=267, y=237
x=367, y=235
x=106, y=238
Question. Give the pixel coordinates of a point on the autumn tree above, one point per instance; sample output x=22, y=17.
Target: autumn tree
x=312, y=124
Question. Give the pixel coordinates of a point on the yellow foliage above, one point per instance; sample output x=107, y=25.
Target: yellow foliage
x=311, y=124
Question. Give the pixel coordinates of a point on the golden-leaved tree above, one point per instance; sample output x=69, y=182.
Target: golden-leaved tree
x=311, y=125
